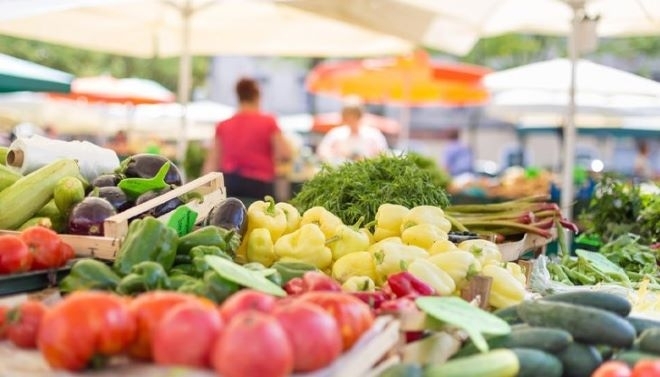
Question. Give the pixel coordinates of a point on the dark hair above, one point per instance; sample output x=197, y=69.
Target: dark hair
x=247, y=90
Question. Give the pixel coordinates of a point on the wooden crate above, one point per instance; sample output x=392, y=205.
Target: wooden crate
x=210, y=186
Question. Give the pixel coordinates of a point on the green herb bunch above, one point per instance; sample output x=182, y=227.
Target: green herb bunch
x=354, y=190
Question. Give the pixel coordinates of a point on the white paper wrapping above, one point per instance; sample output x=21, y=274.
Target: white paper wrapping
x=38, y=151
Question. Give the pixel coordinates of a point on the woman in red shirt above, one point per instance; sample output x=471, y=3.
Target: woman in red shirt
x=247, y=147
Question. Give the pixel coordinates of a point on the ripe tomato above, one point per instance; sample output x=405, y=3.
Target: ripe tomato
x=44, y=244
x=246, y=299
x=612, y=369
x=353, y=316
x=646, y=368
x=149, y=308
x=83, y=326
x=185, y=335
x=15, y=256
x=66, y=252
x=23, y=323
x=299, y=320
x=3, y=322
x=253, y=344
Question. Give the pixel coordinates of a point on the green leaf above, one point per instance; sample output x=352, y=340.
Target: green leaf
x=457, y=312
x=242, y=276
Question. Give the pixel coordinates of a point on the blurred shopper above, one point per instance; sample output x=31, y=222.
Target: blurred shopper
x=642, y=164
x=352, y=140
x=119, y=144
x=247, y=147
x=457, y=156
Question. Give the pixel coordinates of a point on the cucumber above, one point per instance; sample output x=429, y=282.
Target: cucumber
x=586, y=325
x=509, y=314
x=58, y=221
x=641, y=324
x=535, y=363
x=601, y=300
x=68, y=192
x=497, y=363
x=7, y=177
x=25, y=197
x=540, y=338
x=579, y=360
x=649, y=341
x=402, y=370
x=632, y=357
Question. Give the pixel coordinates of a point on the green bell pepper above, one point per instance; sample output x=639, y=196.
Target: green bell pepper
x=89, y=274
x=210, y=235
x=177, y=281
x=291, y=270
x=144, y=276
x=219, y=288
x=147, y=240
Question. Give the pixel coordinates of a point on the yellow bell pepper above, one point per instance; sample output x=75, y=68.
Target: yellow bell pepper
x=359, y=284
x=326, y=220
x=432, y=275
x=348, y=239
x=517, y=272
x=505, y=290
x=355, y=264
x=265, y=214
x=393, y=257
x=442, y=246
x=260, y=247
x=426, y=215
x=485, y=251
x=375, y=247
x=423, y=235
x=307, y=245
x=388, y=221
x=292, y=216
x=459, y=264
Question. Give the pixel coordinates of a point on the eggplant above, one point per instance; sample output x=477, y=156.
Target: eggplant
x=87, y=217
x=161, y=209
x=145, y=165
x=105, y=180
x=229, y=214
x=118, y=198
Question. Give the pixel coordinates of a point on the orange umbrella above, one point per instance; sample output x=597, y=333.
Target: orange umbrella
x=107, y=89
x=411, y=80
x=323, y=123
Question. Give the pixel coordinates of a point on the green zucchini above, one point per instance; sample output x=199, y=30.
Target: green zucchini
x=535, y=363
x=7, y=177
x=25, y=197
x=579, y=360
x=37, y=221
x=641, y=324
x=587, y=325
x=632, y=357
x=601, y=300
x=649, y=341
x=509, y=314
x=3, y=155
x=402, y=370
x=68, y=192
x=497, y=363
x=540, y=338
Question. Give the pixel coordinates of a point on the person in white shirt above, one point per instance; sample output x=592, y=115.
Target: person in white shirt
x=353, y=140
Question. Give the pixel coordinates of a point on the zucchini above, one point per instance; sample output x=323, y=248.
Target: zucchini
x=3, y=155
x=587, y=325
x=7, y=177
x=509, y=315
x=497, y=363
x=402, y=370
x=25, y=197
x=68, y=192
x=601, y=300
x=641, y=324
x=540, y=338
x=579, y=360
x=535, y=363
x=37, y=221
x=632, y=357
x=649, y=341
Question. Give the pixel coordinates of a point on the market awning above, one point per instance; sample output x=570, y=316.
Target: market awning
x=18, y=75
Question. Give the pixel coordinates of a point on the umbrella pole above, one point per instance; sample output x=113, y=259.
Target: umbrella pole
x=185, y=78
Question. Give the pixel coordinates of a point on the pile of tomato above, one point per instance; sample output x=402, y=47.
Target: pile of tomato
x=250, y=334
x=642, y=368
x=35, y=248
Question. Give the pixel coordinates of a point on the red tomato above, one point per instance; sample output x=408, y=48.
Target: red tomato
x=66, y=252
x=353, y=316
x=149, y=308
x=612, y=369
x=15, y=256
x=253, y=344
x=246, y=299
x=299, y=320
x=23, y=323
x=83, y=326
x=186, y=335
x=3, y=322
x=44, y=244
x=646, y=368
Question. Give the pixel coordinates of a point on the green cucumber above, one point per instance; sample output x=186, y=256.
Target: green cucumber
x=649, y=341
x=641, y=324
x=497, y=363
x=68, y=192
x=579, y=360
x=509, y=315
x=632, y=357
x=540, y=338
x=586, y=325
x=535, y=363
x=601, y=300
